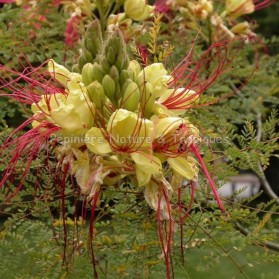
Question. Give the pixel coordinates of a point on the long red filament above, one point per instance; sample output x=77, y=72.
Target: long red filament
x=207, y=175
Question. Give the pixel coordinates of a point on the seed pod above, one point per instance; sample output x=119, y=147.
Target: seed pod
x=97, y=72
x=131, y=97
x=96, y=94
x=87, y=73
x=109, y=87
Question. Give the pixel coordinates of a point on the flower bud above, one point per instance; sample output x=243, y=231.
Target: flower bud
x=81, y=61
x=131, y=97
x=105, y=65
x=134, y=68
x=93, y=40
x=87, y=55
x=148, y=100
x=124, y=87
x=242, y=28
x=111, y=55
x=97, y=72
x=137, y=9
x=109, y=87
x=75, y=68
x=87, y=73
x=96, y=94
x=114, y=73
x=236, y=8
x=122, y=61
x=124, y=75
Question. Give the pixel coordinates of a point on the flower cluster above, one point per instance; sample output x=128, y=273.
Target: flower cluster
x=221, y=17
x=128, y=121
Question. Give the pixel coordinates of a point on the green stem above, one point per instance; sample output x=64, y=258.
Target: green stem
x=102, y=15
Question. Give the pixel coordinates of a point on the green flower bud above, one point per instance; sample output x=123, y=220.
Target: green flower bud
x=122, y=61
x=75, y=68
x=87, y=55
x=134, y=69
x=109, y=87
x=115, y=51
x=114, y=73
x=111, y=55
x=87, y=73
x=124, y=75
x=124, y=87
x=93, y=40
x=96, y=94
x=81, y=62
x=148, y=99
x=131, y=97
x=105, y=65
x=97, y=72
x=115, y=76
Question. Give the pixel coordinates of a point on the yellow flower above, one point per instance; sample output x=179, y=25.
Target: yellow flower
x=236, y=8
x=157, y=76
x=201, y=9
x=137, y=9
x=242, y=28
x=75, y=115
x=118, y=20
x=173, y=137
x=177, y=100
x=59, y=72
x=72, y=112
x=126, y=133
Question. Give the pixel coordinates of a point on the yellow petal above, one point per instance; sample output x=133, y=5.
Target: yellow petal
x=166, y=125
x=128, y=130
x=74, y=83
x=182, y=167
x=59, y=72
x=96, y=142
x=146, y=165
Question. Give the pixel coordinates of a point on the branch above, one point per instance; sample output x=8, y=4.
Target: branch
x=268, y=244
x=265, y=182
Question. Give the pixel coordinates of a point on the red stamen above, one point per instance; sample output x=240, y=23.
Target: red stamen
x=207, y=175
x=260, y=4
